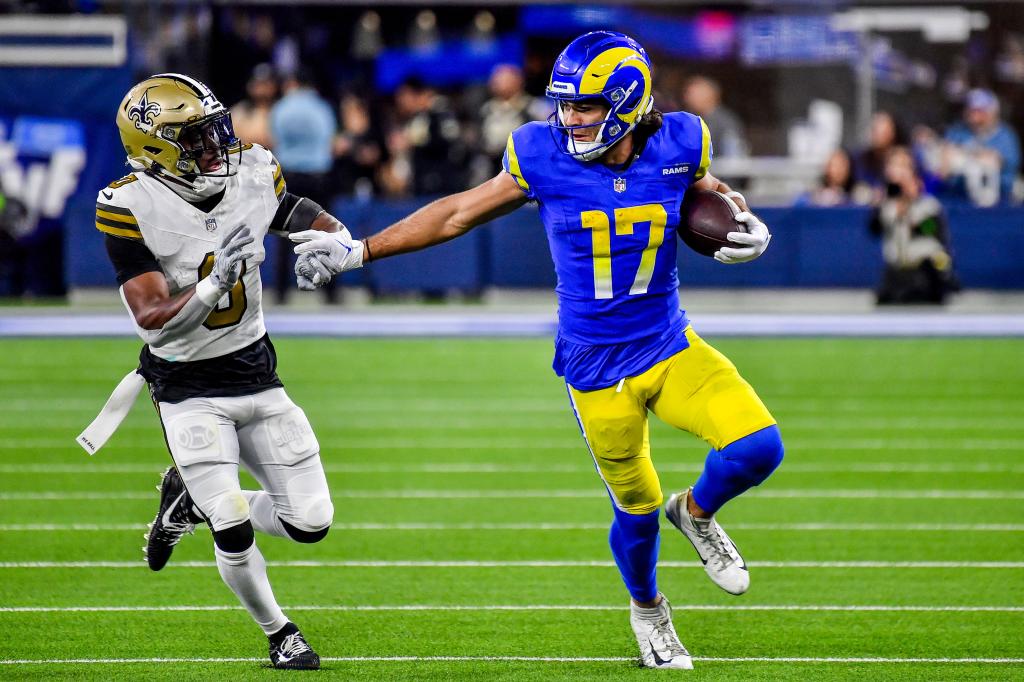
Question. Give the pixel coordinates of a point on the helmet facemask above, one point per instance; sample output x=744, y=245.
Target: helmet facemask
x=207, y=142
x=609, y=130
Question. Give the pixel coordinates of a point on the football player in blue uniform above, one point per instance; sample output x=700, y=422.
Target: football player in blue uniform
x=609, y=172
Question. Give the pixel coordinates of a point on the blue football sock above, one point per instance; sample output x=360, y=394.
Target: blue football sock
x=634, y=540
x=738, y=467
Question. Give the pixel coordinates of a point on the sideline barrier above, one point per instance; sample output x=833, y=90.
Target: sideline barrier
x=811, y=247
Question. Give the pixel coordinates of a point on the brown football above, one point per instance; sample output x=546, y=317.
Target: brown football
x=705, y=218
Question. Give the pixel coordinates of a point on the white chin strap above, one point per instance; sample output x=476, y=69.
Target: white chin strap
x=585, y=151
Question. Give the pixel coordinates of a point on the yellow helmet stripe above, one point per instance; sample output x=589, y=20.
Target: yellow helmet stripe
x=596, y=76
x=513, y=164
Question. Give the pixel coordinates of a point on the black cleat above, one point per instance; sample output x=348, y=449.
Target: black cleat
x=290, y=651
x=173, y=520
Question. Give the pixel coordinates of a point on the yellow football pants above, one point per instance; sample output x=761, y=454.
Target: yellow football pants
x=697, y=390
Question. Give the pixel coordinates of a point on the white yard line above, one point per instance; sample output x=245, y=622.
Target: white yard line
x=156, y=467
x=768, y=493
x=423, y=527
x=553, y=419
x=871, y=608
x=542, y=442
x=521, y=564
x=515, y=659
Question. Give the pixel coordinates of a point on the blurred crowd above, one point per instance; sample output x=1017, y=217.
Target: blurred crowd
x=976, y=158
x=306, y=82
x=413, y=143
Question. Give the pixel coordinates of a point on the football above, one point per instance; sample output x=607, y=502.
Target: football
x=705, y=218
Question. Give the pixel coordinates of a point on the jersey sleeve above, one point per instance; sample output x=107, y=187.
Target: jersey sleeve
x=112, y=217
x=510, y=163
x=706, y=151
x=280, y=187
x=130, y=257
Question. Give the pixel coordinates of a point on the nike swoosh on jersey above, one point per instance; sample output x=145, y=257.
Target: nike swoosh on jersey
x=107, y=195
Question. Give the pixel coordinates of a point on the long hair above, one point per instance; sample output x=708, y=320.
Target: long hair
x=649, y=123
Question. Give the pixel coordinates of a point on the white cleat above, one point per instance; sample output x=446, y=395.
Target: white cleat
x=659, y=644
x=722, y=561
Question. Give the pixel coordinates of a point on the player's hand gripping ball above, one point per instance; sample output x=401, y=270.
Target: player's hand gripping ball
x=713, y=225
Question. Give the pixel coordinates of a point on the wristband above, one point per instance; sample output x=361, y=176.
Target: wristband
x=208, y=292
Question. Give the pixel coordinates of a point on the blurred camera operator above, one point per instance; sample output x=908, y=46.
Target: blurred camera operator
x=915, y=237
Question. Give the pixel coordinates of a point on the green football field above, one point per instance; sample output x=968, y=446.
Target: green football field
x=470, y=528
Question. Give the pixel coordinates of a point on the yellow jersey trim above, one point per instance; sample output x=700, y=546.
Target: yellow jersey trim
x=119, y=231
x=513, y=165
x=705, y=151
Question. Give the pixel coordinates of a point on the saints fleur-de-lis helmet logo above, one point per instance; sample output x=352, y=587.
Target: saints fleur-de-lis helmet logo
x=142, y=113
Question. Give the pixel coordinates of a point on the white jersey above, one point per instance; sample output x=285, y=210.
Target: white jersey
x=183, y=239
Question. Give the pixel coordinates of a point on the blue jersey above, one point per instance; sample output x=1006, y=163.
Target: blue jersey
x=612, y=239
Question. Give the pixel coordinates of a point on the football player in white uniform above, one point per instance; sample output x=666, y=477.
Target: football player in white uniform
x=185, y=234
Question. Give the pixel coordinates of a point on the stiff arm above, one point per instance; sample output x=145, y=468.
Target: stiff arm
x=322, y=256
x=447, y=218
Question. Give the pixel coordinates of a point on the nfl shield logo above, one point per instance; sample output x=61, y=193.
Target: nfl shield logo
x=620, y=185
x=211, y=224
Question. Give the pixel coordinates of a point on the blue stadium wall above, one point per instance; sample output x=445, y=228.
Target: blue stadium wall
x=811, y=247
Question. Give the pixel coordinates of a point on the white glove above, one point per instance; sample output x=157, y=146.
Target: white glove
x=227, y=266
x=227, y=260
x=755, y=241
x=337, y=252
x=310, y=273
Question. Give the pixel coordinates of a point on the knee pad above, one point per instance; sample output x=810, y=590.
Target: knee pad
x=756, y=456
x=230, y=509
x=313, y=521
x=236, y=538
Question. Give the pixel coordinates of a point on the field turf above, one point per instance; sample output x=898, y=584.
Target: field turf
x=889, y=545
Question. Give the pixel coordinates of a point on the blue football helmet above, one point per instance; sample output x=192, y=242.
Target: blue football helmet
x=609, y=67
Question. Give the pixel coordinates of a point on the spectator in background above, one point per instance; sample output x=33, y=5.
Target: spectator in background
x=428, y=138
x=251, y=116
x=703, y=96
x=915, y=237
x=358, y=148
x=884, y=135
x=508, y=108
x=837, y=184
x=302, y=125
x=982, y=157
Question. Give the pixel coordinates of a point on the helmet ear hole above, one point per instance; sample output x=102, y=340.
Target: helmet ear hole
x=155, y=151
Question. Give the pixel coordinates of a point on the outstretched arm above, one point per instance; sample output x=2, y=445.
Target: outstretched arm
x=437, y=222
x=447, y=218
